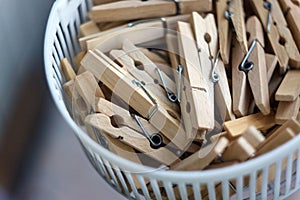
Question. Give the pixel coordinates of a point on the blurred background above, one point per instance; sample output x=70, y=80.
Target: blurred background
x=39, y=156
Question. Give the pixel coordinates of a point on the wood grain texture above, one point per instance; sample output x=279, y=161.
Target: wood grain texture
x=287, y=110
x=237, y=127
x=289, y=88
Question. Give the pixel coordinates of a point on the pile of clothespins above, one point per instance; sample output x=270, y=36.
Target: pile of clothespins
x=191, y=84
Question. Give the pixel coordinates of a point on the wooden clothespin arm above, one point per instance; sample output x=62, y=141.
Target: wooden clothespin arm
x=130, y=137
x=130, y=10
x=195, y=99
x=257, y=76
x=203, y=157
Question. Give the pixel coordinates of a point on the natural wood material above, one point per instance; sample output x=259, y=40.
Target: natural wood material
x=291, y=8
x=203, y=157
x=224, y=32
x=237, y=127
x=279, y=136
x=271, y=63
x=195, y=100
x=257, y=77
x=241, y=95
x=88, y=28
x=67, y=69
x=279, y=36
x=287, y=110
x=130, y=137
x=135, y=97
x=130, y=10
x=289, y=89
x=88, y=88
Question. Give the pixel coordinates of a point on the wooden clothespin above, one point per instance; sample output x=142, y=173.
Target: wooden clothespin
x=88, y=88
x=278, y=33
x=287, y=110
x=88, y=28
x=130, y=137
x=130, y=10
x=257, y=76
x=195, y=98
x=67, y=69
x=148, y=66
x=271, y=63
x=203, y=157
x=291, y=9
x=243, y=147
x=135, y=29
x=283, y=134
x=289, y=89
x=216, y=78
x=236, y=127
x=136, y=97
x=139, y=74
x=253, y=68
x=231, y=13
x=224, y=32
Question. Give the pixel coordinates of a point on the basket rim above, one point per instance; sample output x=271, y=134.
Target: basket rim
x=210, y=175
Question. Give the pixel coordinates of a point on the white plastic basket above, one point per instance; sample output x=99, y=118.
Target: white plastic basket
x=61, y=41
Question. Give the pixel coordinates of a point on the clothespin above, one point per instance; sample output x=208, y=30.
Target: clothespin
x=283, y=134
x=67, y=69
x=133, y=31
x=130, y=10
x=289, y=89
x=88, y=88
x=136, y=97
x=130, y=137
x=235, y=15
x=88, y=28
x=150, y=67
x=244, y=147
x=76, y=60
x=224, y=30
x=203, y=157
x=279, y=35
x=253, y=68
x=287, y=110
x=271, y=63
x=195, y=98
x=291, y=9
x=236, y=127
x=207, y=41
x=138, y=73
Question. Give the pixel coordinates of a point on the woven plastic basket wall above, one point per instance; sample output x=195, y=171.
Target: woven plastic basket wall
x=251, y=178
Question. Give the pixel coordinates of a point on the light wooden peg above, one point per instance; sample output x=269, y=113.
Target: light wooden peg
x=271, y=63
x=241, y=96
x=67, y=69
x=237, y=127
x=257, y=76
x=224, y=32
x=130, y=137
x=203, y=157
x=279, y=36
x=195, y=99
x=291, y=8
x=88, y=28
x=287, y=110
x=237, y=9
x=289, y=89
x=130, y=10
x=88, y=89
x=253, y=136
